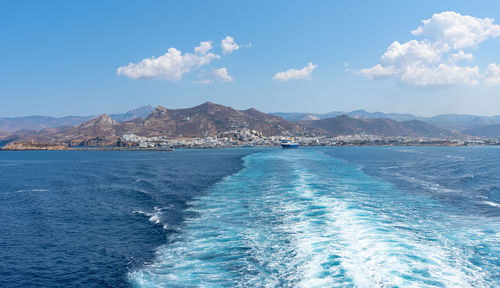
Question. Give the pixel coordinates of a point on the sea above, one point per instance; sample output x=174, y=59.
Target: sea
x=366, y=216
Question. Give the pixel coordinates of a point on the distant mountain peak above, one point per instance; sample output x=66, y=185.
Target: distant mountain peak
x=140, y=112
x=160, y=108
x=208, y=104
x=145, y=107
x=102, y=120
x=159, y=112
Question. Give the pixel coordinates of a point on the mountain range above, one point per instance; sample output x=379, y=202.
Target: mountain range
x=38, y=123
x=344, y=125
x=459, y=123
x=209, y=119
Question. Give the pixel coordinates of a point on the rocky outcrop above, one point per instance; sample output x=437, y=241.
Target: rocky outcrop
x=34, y=146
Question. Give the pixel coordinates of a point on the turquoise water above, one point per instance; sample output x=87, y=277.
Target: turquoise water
x=302, y=218
x=312, y=217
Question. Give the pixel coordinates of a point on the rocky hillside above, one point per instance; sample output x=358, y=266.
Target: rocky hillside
x=207, y=119
x=343, y=125
x=210, y=119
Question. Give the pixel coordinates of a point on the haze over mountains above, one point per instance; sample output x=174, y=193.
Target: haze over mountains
x=343, y=125
x=460, y=123
x=36, y=123
x=209, y=119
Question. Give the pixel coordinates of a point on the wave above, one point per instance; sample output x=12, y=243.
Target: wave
x=492, y=203
x=32, y=190
x=300, y=219
x=154, y=217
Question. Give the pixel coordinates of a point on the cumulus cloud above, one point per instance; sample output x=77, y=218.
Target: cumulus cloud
x=459, y=56
x=434, y=60
x=204, y=47
x=493, y=74
x=456, y=30
x=215, y=75
x=229, y=45
x=294, y=74
x=171, y=65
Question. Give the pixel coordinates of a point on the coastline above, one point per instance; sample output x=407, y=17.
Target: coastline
x=160, y=149
x=91, y=149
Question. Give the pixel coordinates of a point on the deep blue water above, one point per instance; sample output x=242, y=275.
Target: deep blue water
x=312, y=217
x=87, y=218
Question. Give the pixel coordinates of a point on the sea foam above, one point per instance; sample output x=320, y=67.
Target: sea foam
x=302, y=219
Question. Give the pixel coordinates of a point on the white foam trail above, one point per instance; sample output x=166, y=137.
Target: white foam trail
x=32, y=190
x=492, y=203
x=154, y=217
x=370, y=253
x=301, y=219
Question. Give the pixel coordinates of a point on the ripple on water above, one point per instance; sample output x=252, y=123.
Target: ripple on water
x=300, y=219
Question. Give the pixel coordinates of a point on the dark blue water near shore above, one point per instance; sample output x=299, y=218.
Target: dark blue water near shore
x=312, y=217
x=86, y=218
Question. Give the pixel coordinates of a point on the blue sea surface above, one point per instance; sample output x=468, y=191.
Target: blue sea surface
x=311, y=217
x=88, y=218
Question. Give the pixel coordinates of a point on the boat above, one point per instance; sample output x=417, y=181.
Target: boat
x=289, y=143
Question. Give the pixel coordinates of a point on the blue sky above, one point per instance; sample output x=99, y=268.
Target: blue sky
x=61, y=57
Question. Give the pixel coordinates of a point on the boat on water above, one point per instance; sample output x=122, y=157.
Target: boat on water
x=289, y=143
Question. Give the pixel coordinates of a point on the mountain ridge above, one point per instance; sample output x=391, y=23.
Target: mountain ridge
x=210, y=119
x=460, y=123
x=344, y=125
x=199, y=121
x=38, y=123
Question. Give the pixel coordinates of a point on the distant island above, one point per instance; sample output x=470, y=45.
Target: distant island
x=211, y=125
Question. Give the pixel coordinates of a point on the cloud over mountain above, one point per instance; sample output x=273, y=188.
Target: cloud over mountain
x=435, y=60
x=171, y=65
x=295, y=74
x=214, y=75
x=493, y=74
x=174, y=64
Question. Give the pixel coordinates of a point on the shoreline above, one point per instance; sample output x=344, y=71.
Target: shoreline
x=90, y=149
x=231, y=147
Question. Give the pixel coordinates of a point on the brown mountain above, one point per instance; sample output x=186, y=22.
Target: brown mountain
x=203, y=120
x=210, y=119
x=344, y=125
x=99, y=131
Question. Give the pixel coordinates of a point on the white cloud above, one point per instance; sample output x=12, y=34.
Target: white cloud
x=171, y=65
x=203, y=48
x=377, y=72
x=294, y=74
x=229, y=45
x=493, y=74
x=434, y=60
x=458, y=31
x=413, y=51
x=215, y=75
x=440, y=75
x=459, y=56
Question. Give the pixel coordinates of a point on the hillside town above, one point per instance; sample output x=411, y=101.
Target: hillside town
x=252, y=138
x=211, y=125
